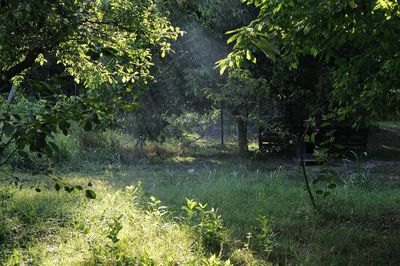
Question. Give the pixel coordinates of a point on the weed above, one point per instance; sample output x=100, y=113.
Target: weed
x=114, y=228
x=207, y=223
x=265, y=235
x=356, y=170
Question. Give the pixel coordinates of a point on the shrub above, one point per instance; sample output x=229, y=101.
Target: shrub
x=356, y=170
x=207, y=224
x=118, y=228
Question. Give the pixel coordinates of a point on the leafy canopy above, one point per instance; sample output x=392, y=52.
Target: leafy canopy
x=354, y=42
x=73, y=60
x=98, y=42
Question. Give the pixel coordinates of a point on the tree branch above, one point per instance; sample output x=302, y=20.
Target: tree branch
x=6, y=76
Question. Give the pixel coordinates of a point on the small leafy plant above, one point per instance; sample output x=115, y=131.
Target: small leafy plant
x=206, y=223
x=155, y=208
x=263, y=239
x=265, y=235
x=359, y=174
x=114, y=228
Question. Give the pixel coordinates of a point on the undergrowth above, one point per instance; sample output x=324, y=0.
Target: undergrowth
x=120, y=227
x=257, y=212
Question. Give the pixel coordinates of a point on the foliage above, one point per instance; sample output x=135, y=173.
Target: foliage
x=356, y=72
x=266, y=235
x=247, y=96
x=207, y=223
x=105, y=46
x=98, y=42
x=358, y=174
x=110, y=230
x=37, y=224
x=219, y=16
x=329, y=62
x=187, y=124
x=99, y=148
x=186, y=82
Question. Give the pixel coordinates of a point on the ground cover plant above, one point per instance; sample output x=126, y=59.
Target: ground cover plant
x=203, y=207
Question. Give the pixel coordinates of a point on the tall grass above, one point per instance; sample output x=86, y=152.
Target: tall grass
x=265, y=212
x=121, y=227
x=347, y=221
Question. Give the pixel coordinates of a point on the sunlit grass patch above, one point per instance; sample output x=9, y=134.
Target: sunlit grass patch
x=119, y=227
x=51, y=228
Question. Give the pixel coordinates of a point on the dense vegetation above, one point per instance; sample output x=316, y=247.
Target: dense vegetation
x=263, y=214
x=128, y=132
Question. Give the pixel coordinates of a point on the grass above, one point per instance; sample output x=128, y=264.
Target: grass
x=350, y=219
x=356, y=225
x=394, y=125
x=117, y=228
x=384, y=141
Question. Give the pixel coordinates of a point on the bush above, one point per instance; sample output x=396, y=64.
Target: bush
x=207, y=224
x=30, y=162
x=61, y=229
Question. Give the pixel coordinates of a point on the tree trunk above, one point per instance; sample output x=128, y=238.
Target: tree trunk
x=242, y=135
x=222, y=125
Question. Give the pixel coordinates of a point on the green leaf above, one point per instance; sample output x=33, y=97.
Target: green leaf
x=326, y=124
x=314, y=51
x=293, y=65
x=267, y=48
x=312, y=138
x=248, y=55
x=129, y=107
x=232, y=38
x=90, y=194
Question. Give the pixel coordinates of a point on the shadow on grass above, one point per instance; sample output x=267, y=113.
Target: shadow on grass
x=29, y=217
x=355, y=225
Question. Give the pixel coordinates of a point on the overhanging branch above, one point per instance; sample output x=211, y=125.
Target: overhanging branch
x=7, y=75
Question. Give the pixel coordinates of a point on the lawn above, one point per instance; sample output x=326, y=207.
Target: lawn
x=265, y=212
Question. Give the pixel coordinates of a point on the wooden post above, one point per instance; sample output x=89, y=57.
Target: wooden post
x=222, y=124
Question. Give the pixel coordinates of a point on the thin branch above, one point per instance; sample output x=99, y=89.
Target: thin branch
x=29, y=60
x=301, y=142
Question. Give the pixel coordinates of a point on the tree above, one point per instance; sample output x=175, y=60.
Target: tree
x=352, y=45
x=331, y=61
x=248, y=99
x=187, y=82
x=106, y=47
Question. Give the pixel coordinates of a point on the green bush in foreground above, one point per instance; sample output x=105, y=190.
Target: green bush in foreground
x=118, y=228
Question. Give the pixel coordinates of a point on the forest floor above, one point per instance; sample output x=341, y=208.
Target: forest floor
x=357, y=224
